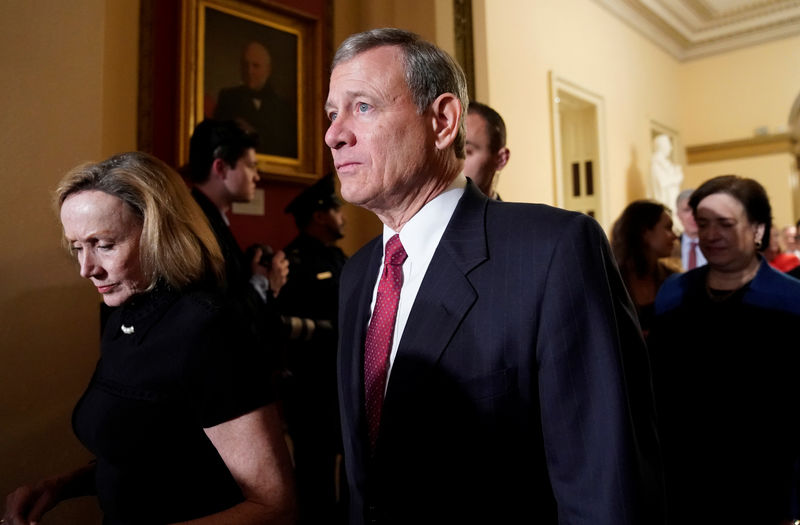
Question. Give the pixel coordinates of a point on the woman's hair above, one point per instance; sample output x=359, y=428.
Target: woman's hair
x=749, y=192
x=627, y=235
x=429, y=71
x=177, y=245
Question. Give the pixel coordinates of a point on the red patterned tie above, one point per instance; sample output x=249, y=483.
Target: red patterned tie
x=692, y=255
x=379, y=334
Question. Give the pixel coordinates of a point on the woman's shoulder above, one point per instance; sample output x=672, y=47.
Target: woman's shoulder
x=775, y=290
x=668, y=266
x=186, y=314
x=202, y=299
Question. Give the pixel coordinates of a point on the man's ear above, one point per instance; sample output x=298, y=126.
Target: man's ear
x=501, y=158
x=446, y=116
x=318, y=216
x=219, y=168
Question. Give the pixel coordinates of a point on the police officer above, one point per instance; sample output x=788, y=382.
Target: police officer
x=309, y=301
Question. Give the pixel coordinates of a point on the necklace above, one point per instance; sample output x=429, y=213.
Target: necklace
x=719, y=296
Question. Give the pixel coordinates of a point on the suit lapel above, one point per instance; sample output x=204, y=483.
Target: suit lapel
x=355, y=312
x=444, y=298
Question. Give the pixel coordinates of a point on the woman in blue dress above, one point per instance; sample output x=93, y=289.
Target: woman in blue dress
x=724, y=376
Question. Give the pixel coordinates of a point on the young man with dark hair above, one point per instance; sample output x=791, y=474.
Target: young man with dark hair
x=486, y=149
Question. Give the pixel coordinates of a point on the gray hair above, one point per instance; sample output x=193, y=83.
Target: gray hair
x=430, y=71
x=683, y=196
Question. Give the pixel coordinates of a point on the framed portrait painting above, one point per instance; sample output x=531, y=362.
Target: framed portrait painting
x=259, y=64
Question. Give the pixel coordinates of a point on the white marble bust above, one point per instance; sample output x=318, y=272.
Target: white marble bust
x=666, y=176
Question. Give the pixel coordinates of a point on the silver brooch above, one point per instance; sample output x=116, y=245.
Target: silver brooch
x=127, y=330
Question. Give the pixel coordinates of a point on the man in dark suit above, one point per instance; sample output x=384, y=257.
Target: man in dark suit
x=222, y=170
x=492, y=370
x=256, y=103
x=687, y=249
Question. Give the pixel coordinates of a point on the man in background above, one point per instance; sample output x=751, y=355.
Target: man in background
x=486, y=149
x=222, y=170
x=256, y=103
x=690, y=255
x=789, y=239
x=310, y=300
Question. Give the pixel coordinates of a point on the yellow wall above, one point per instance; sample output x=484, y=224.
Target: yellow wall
x=727, y=97
x=711, y=100
x=585, y=44
x=69, y=95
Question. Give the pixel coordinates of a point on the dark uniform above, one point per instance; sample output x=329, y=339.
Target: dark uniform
x=310, y=298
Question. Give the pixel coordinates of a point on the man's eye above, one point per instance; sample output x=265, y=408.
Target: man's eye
x=332, y=116
x=363, y=107
x=105, y=247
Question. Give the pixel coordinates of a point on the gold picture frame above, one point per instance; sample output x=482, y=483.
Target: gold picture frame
x=278, y=92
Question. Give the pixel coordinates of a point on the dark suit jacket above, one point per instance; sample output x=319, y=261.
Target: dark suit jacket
x=275, y=120
x=520, y=392
x=263, y=319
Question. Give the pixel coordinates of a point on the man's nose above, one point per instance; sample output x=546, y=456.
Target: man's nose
x=338, y=134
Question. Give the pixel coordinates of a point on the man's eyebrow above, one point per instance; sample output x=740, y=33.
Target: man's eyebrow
x=348, y=95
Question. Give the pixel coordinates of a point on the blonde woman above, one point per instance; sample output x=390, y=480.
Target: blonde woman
x=176, y=414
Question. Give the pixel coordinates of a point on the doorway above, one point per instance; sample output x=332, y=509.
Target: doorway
x=578, y=121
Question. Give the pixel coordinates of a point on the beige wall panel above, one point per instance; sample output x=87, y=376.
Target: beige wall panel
x=726, y=97
x=588, y=46
x=419, y=16
x=69, y=71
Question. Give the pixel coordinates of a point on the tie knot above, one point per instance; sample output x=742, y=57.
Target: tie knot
x=395, y=253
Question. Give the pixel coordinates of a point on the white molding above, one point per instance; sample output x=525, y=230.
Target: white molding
x=675, y=27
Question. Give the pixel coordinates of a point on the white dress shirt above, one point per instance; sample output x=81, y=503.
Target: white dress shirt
x=260, y=283
x=420, y=237
x=686, y=246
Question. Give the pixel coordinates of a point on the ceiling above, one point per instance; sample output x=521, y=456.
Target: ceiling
x=690, y=29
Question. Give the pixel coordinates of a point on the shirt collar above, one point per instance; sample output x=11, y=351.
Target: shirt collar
x=421, y=234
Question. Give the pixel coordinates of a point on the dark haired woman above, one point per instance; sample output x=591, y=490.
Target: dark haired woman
x=641, y=239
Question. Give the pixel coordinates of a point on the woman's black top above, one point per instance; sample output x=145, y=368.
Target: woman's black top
x=725, y=369
x=171, y=365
